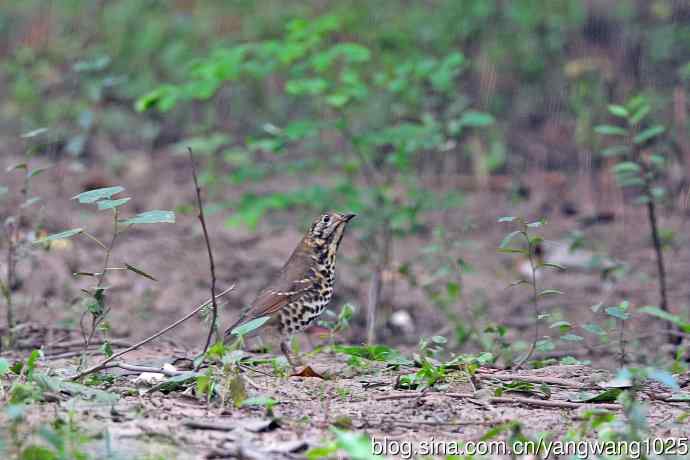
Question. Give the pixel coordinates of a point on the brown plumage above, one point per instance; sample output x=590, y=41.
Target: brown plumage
x=304, y=287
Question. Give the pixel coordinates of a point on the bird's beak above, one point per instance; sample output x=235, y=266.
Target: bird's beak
x=348, y=217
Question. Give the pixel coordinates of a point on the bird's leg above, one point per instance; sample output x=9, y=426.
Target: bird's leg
x=294, y=361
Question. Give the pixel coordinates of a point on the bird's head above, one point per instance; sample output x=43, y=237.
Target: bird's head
x=329, y=227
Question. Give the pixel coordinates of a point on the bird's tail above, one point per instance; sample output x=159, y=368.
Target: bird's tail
x=228, y=332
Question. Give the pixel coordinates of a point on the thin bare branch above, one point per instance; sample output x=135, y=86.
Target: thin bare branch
x=200, y=215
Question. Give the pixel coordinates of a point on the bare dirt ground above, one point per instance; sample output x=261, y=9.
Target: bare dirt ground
x=175, y=426
x=145, y=424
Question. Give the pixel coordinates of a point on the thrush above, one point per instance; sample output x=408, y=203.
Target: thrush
x=299, y=294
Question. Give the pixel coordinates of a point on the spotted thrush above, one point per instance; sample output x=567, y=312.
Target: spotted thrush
x=299, y=294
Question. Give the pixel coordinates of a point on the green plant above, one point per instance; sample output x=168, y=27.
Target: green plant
x=340, y=90
x=357, y=446
x=261, y=401
x=96, y=298
x=532, y=243
x=18, y=242
x=445, y=285
x=59, y=440
x=339, y=323
x=630, y=429
x=619, y=314
x=639, y=164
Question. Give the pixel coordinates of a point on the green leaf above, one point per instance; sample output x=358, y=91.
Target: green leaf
x=571, y=338
x=593, y=329
x=607, y=396
x=55, y=385
x=475, y=119
x=610, y=130
x=178, y=382
x=374, y=353
x=321, y=452
x=439, y=339
x=648, y=134
x=615, y=150
x=548, y=292
x=453, y=290
x=97, y=306
x=629, y=181
x=98, y=194
x=658, y=160
x=139, y=272
x=107, y=349
x=357, y=446
x=164, y=98
x=353, y=52
x=508, y=238
x=545, y=345
x=626, y=167
x=663, y=377
x=639, y=114
x=36, y=172
x=618, y=110
x=31, y=363
x=4, y=366
x=659, y=313
x=111, y=204
x=308, y=86
x=617, y=312
x=563, y=326
x=337, y=100
x=151, y=217
x=552, y=265
x=36, y=452
x=61, y=236
x=261, y=401
x=250, y=326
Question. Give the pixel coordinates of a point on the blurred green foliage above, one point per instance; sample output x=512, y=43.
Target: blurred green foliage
x=331, y=95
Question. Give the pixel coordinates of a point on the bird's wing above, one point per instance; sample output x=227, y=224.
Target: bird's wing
x=289, y=285
x=276, y=296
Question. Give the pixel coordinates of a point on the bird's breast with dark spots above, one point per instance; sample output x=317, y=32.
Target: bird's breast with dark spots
x=297, y=315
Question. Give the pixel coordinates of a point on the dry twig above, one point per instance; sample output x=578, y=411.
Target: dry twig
x=536, y=379
x=516, y=400
x=200, y=215
x=536, y=402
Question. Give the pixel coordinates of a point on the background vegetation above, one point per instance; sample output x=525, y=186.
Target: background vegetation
x=455, y=129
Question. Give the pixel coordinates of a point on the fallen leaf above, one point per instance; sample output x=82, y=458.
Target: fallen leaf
x=307, y=371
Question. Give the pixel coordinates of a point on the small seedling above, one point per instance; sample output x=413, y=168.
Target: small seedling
x=95, y=297
x=639, y=165
x=533, y=242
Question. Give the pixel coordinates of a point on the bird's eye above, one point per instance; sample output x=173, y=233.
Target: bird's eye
x=326, y=218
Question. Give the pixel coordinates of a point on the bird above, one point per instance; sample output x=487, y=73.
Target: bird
x=302, y=289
